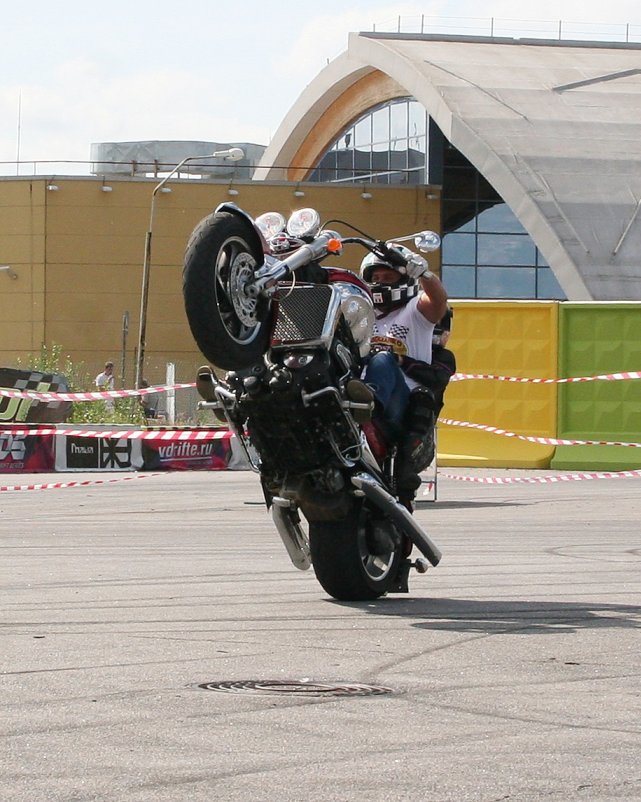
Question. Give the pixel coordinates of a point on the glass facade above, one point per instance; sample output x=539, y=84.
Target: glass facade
x=486, y=252
x=388, y=145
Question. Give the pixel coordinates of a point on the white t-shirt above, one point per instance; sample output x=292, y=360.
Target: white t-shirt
x=406, y=332
x=105, y=381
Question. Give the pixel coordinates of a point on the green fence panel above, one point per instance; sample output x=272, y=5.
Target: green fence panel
x=599, y=338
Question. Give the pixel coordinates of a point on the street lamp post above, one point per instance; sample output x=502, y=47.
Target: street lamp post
x=232, y=155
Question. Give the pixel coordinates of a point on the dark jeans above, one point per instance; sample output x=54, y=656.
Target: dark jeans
x=384, y=375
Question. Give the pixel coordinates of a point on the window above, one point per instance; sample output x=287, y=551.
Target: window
x=386, y=145
x=459, y=249
x=486, y=251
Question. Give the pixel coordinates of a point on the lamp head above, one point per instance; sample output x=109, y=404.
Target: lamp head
x=229, y=155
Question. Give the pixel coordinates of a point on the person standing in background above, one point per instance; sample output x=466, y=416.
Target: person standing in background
x=105, y=381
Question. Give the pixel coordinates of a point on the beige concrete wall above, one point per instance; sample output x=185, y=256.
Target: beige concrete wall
x=78, y=253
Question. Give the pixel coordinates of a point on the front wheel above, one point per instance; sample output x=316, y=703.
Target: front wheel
x=229, y=326
x=356, y=558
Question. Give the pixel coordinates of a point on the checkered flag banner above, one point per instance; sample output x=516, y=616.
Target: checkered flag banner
x=33, y=397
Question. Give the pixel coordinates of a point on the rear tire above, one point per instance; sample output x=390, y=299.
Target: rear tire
x=230, y=328
x=345, y=562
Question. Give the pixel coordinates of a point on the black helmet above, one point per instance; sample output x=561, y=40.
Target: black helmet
x=389, y=296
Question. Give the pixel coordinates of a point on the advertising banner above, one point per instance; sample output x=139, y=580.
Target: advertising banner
x=208, y=455
x=23, y=453
x=97, y=454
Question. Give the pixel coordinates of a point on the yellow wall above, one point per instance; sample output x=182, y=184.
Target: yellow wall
x=78, y=253
x=506, y=338
x=22, y=242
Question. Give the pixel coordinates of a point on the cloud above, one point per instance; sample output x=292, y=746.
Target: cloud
x=231, y=83
x=84, y=105
x=324, y=37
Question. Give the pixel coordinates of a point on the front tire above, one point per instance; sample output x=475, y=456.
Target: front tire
x=230, y=328
x=348, y=563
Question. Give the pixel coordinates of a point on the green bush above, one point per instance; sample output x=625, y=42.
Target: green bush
x=52, y=360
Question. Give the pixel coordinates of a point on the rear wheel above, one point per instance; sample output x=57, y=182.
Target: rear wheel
x=357, y=557
x=229, y=326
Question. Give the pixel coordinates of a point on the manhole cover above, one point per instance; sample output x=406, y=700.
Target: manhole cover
x=296, y=687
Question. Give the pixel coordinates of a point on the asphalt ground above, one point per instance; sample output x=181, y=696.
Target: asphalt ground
x=513, y=667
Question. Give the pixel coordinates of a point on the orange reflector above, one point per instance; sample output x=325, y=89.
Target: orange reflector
x=334, y=246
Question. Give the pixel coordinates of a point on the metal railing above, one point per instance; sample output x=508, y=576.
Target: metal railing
x=563, y=30
x=121, y=169
x=155, y=170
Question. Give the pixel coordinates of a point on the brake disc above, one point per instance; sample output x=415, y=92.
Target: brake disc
x=240, y=275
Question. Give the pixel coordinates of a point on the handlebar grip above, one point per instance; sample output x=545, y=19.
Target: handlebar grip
x=395, y=258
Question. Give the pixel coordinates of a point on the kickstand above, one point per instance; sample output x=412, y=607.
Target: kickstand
x=402, y=578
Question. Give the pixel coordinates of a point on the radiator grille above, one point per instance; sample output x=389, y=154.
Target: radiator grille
x=301, y=314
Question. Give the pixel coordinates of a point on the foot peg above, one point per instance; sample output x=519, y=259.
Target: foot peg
x=421, y=565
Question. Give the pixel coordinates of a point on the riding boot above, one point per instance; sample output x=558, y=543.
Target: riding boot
x=360, y=393
x=416, y=445
x=205, y=385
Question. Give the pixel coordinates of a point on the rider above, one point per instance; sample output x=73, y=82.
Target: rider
x=409, y=302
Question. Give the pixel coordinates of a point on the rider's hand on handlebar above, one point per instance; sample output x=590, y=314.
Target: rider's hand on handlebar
x=415, y=267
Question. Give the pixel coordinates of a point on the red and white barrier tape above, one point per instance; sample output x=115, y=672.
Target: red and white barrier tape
x=91, y=396
x=457, y=377
x=135, y=434
x=104, y=394
x=564, y=477
x=79, y=483
x=548, y=441
x=166, y=435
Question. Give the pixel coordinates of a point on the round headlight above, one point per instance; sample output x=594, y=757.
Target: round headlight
x=304, y=223
x=358, y=311
x=270, y=224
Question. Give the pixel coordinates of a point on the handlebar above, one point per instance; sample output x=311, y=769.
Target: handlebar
x=275, y=270
x=269, y=275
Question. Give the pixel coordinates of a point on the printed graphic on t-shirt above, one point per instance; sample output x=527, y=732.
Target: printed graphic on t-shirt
x=396, y=330
x=390, y=337
x=380, y=342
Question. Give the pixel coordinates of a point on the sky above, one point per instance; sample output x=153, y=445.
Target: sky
x=73, y=73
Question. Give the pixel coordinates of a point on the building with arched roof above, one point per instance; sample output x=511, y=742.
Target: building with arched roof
x=535, y=143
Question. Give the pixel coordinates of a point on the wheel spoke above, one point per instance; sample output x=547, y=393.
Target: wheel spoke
x=233, y=325
x=230, y=321
x=376, y=563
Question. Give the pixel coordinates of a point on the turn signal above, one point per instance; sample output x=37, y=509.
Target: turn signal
x=334, y=246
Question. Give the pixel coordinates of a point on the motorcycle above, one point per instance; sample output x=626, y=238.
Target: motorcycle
x=291, y=335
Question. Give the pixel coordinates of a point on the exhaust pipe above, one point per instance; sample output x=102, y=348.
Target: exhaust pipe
x=399, y=515
x=285, y=517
